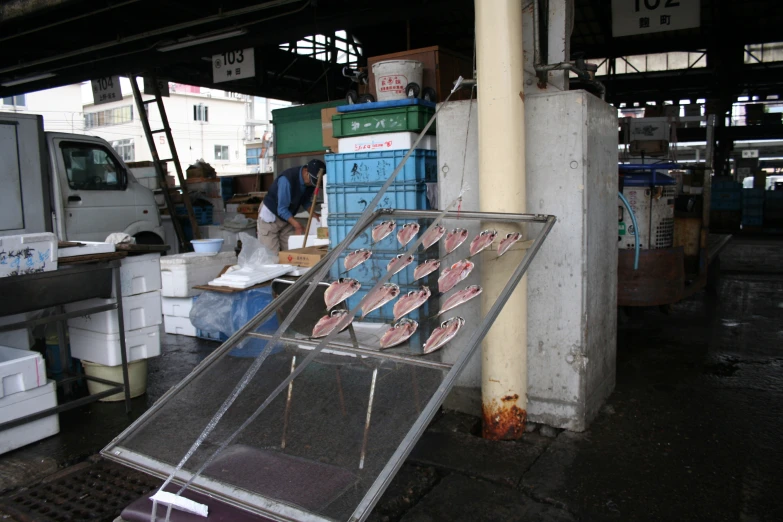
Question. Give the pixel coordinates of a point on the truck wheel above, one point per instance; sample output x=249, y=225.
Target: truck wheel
x=366, y=98
x=352, y=97
x=148, y=238
x=412, y=90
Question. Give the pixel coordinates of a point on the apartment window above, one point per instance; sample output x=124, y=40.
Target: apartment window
x=125, y=149
x=115, y=116
x=15, y=101
x=200, y=112
x=253, y=155
x=221, y=152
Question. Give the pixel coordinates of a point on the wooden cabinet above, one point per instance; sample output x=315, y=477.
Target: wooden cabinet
x=441, y=68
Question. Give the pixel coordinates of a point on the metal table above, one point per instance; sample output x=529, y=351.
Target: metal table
x=67, y=284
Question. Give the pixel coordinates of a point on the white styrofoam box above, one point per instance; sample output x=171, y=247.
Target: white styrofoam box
x=232, y=208
x=140, y=274
x=138, y=311
x=21, y=339
x=87, y=248
x=28, y=254
x=104, y=348
x=181, y=272
x=388, y=141
x=26, y=403
x=179, y=326
x=141, y=173
x=298, y=241
x=177, y=306
x=20, y=370
x=217, y=204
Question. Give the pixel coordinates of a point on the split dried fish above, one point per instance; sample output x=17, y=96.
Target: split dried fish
x=398, y=333
x=340, y=290
x=356, y=258
x=329, y=322
x=399, y=262
x=455, y=238
x=506, y=242
x=382, y=229
x=406, y=233
x=380, y=297
x=461, y=297
x=426, y=268
x=454, y=274
x=482, y=241
x=444, y=333
x=432, y=236
x=411, y=301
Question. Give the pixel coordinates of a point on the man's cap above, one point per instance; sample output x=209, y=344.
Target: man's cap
x=313, y=166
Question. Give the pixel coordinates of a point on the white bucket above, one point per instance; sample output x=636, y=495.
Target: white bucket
x=137, y=378
x=392, y=76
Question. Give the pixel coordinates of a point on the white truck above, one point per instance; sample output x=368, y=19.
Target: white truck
x=71, y=184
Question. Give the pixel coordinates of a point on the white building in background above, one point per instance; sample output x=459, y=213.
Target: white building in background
x=60, y=107
x=259, y=131
x=206, y=124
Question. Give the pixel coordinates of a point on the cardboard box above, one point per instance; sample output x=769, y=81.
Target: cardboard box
x=329, y=141
x=322, y=232
x=304, y=257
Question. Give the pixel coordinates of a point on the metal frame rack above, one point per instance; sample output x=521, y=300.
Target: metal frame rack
x=280, y=510
x=67, y=284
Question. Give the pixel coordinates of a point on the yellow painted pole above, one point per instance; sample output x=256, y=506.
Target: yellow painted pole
x=501, y=117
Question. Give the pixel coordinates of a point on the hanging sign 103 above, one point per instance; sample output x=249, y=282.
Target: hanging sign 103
x=233, y=65
x=653, y=16
x=106, y=90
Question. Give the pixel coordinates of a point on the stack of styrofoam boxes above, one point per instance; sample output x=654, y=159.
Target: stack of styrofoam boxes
x=179, y=274
x=28, y=254
x=95, y=338
x=24, y=391
x=365, y=162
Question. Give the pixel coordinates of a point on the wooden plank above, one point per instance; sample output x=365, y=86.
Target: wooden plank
x=91, y=258
x=126, y=247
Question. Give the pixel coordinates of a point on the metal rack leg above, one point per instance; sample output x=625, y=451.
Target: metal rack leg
x=123, y=348
x=63, y=348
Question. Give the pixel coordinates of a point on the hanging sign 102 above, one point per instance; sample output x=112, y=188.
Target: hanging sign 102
x=631, y=17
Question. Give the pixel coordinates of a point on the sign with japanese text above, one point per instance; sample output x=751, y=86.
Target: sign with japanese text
x=106, y=90
x=233, y=65
x=392, y=83
x=163, y=86
x=653, y=16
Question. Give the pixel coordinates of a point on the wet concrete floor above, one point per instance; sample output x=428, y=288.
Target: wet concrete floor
x=691, y=432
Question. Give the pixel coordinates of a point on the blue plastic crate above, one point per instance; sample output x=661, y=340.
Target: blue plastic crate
x=203, y=213
x=374, y=268
x=752, y=193
x=753, y=221
x=376, y=167
x=227, y=187
x=211, y=336
x=727, y=185
x=340, y=225
x=353, y=199
x=726, y=205
x=725, y=195
x=752, y=212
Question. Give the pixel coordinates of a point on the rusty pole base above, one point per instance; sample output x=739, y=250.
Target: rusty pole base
x=505, y=421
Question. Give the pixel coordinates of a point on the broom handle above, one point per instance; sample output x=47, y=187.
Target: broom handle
x=312, y=207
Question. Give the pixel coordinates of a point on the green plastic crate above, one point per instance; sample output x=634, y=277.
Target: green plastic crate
x=298, y=129
x=411, y=118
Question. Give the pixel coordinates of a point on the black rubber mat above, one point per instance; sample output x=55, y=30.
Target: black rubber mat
x=94, y=490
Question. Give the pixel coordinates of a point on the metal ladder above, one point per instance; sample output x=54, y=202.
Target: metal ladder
x=184, y=245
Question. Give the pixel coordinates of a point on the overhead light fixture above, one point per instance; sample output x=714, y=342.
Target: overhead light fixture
x=28, y=79
x=182, y=44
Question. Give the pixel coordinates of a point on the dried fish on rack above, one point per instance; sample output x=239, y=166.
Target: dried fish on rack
x=506, y=242
x=461, y=297
x=329, y=322
x=382, y=229
x=482, y=241
x=356, y=258
x=433, y=236
x=380, y=297
x=399, y=332
x=398, y=262
x=426, y=268
x=454, y=274
x=406, y=233
x=340, y=290
x=411, y=301
x=455, y=238
x=444, y=333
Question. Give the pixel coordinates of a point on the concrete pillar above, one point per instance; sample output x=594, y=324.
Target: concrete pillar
x=501, y=113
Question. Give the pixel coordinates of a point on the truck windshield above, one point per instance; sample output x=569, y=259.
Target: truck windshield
x=91, y=167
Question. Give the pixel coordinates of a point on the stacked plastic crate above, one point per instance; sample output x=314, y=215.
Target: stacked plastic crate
x=752, y=207
x=373, y=139
x=95, y=339
x=726, y=204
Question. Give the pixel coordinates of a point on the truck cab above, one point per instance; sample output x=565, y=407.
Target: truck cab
x=95, y=194
x=71, y=184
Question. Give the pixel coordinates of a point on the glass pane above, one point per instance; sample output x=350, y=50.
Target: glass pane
x=90, y=168
x=323, y=442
